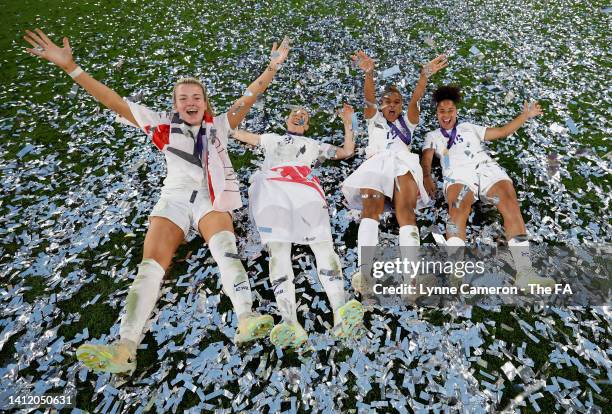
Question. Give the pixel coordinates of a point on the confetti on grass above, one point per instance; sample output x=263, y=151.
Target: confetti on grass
x=69, y=212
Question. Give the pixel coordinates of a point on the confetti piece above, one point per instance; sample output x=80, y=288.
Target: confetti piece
x=387, y=73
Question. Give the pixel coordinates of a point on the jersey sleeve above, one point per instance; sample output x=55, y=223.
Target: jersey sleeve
x=430, y=141
x=479, y=131
x=268, y=142
x=146, y=118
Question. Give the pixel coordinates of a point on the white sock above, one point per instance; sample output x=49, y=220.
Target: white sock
x=519, y=249
x=409, y=241
x=141, y=300
x=234, y=278
x=329, y=270
x=366, y=236
x=455, y=241
x=409, y=236
x=455, y=247
x=281, y=277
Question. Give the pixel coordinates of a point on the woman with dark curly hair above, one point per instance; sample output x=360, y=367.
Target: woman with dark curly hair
x=470, y=173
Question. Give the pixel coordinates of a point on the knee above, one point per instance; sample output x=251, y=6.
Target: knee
x=372, y=209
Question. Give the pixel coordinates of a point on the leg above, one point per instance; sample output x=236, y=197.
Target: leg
x=516, y=234
x=404, y=200
x=460, y=199
x=161, y=242
x=281, y=277
x=348, y=316
x=162, y=239
x=514, y=225
x=508, y=207
x=373, y=204
x=329, y=270
x=288, y=333
x=217, y=229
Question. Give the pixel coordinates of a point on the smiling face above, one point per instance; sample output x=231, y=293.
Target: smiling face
x=391, y=106
x=297, y=121
x=190, y=103
x=447, y=113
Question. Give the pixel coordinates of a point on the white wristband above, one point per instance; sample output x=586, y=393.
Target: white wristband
x=76, y=72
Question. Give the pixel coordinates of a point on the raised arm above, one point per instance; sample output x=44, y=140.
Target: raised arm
x=348, y=148
x=428, y=182
x=241, y=107
x=366, y=64
x=530, y=110
x=44, y=48
x=427, y=71
x=246, y=137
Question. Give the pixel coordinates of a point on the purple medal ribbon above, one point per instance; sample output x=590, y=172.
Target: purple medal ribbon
x=405, y=138
x=451, y=138
x=202, y=146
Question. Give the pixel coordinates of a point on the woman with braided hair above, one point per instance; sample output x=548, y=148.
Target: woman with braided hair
x=391, y=171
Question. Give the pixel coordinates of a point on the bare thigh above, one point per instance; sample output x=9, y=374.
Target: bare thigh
x=162, y=239
x=458, y=212
x=404, y=200
x=215, y=222
x=372, y=202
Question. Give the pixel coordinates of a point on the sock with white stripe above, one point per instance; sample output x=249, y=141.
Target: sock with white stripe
x=234, y=278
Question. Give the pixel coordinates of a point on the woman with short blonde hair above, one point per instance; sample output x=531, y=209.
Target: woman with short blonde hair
x=200, y=191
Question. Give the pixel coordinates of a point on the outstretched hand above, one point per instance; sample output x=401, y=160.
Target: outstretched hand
x=435, y=65
x=44, y=48
x=346, y=113
x=279, y=54
x=532, y=109
x=363, y=61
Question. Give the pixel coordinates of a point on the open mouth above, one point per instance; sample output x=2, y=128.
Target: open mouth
x=192, y=111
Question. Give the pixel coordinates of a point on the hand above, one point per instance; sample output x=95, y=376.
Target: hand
x=434, y=65
x=532, y=109
x=44, y=48
x=430, y=186
x=363, y=61
x=346, y=113
x=278, y=55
